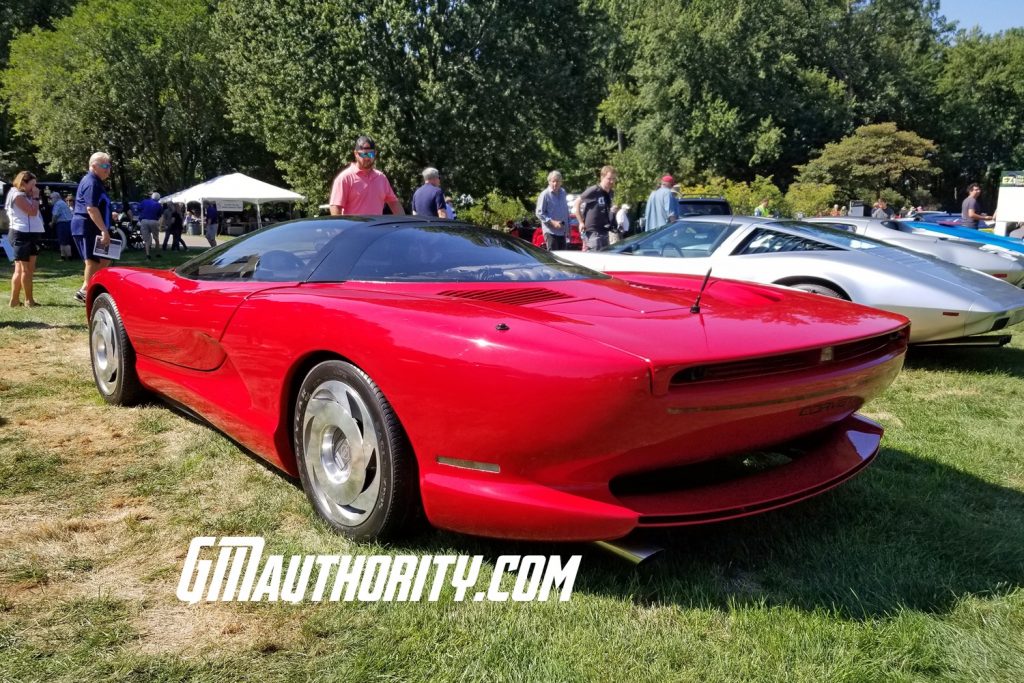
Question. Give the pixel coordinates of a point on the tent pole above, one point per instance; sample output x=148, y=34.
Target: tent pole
x=259, y=220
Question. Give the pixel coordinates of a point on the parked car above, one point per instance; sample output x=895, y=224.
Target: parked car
x=944, y=302
x=1000, y=264
x=377, y=359
x=944, y=218
x=1013, y=245
x=702, y=205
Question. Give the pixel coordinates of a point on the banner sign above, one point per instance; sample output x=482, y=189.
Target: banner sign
x=229, y=204
x=1010, y=204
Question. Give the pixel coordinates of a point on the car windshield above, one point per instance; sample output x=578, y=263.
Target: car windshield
x=431, y=253
x=280, y=253
x=682, y=239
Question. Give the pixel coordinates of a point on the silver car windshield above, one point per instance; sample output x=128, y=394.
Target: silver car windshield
x=682, y=239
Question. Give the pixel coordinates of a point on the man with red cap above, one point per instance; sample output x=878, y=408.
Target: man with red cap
x=662, y=205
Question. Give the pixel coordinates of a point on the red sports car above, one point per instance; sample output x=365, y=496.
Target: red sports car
x=377, y=359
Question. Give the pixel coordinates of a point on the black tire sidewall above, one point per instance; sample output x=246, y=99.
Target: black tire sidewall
x=126, y=388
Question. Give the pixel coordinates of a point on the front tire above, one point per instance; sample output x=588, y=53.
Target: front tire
x=112, y=355
x=815, y=288
x=353, y=457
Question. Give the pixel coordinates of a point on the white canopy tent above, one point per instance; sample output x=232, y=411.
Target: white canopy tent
x=237, y=187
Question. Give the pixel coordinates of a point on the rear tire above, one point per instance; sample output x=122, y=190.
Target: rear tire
x=354, y=460
x=112, y=355
x=815, y=288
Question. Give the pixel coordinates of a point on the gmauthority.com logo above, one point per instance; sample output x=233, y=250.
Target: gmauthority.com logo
x=240, y=572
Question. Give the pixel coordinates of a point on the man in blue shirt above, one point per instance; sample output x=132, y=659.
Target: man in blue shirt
x=212, y=224
x=553, y=212
x=662, y=206
x=91, y=217
x=149, y=221
x=428, y=200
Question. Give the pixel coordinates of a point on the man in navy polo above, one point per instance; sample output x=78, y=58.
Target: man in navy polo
x=428, y=200
x=149, y=220
x=92, y=217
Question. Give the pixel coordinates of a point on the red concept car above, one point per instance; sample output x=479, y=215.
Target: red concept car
x=381, y=360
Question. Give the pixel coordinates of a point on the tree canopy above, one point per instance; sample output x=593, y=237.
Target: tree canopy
x=481, y=90
x=852, y=97
x=875, y=158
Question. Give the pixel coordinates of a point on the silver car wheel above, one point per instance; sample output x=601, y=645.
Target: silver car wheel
x=341, y=452
x=106, y=360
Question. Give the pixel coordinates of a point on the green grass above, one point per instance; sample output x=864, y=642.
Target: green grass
x=913, y=571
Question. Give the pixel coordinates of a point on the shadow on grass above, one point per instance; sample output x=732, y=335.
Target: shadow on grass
x=1003, y=360
x=39, y=325
x=907, y=533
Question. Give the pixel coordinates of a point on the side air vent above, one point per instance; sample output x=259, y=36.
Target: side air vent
x=512, y=297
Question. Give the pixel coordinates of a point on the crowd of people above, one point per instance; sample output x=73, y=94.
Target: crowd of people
x=84, y=224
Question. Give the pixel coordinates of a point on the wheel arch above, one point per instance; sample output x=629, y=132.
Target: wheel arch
x=289, y=398
x=793, y=280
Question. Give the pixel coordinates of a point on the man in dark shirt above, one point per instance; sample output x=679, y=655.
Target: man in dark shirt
x=428, y=200
x=593, y=209
x=971, y=209
x=91, y=218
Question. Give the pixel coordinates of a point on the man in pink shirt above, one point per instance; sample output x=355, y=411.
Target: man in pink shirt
x=362, y=190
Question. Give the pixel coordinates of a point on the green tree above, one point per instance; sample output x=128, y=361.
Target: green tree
x=16, y=17
x=876, y=157
x=484, y=91
x=810, y=199
x=982, y=93
x=135, y=77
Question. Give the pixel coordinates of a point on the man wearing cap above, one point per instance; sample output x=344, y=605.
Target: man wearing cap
x=662, y=205
x=360, y=189
x=428, y=199
x=149, y=221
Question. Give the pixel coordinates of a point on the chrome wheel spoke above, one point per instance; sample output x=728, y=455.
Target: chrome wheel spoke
x=340, y=451
x=105, y=357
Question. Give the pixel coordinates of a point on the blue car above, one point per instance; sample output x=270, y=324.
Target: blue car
x=1011, y=244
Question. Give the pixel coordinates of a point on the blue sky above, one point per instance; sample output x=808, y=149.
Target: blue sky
x=990, y=15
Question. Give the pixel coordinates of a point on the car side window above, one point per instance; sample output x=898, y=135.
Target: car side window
x=281, y=253
x=765, y=241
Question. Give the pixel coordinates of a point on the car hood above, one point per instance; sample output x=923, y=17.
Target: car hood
x=649, y=315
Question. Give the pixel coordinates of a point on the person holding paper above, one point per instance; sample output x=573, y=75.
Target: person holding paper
x=91, y=217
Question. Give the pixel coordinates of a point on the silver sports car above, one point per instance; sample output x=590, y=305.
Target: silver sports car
x=1000, y=264
x=943, y=301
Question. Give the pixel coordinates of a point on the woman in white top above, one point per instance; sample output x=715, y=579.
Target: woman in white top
x=26, y=225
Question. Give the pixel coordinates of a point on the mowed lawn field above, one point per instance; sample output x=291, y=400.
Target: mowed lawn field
x=913, y=571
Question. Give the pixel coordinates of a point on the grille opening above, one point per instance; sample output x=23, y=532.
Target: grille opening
x=792, y=362
x=514, y=297
x=1000, y=324
x=707, y=473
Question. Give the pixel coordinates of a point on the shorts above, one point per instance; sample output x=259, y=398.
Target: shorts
x=26, y=244
x=150, y=227
x=85, y=243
